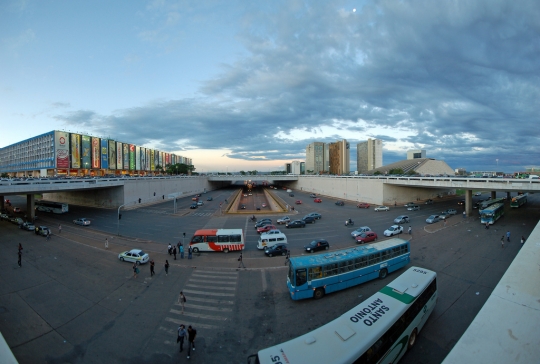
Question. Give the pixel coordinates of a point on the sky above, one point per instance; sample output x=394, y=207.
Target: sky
x=247, y=85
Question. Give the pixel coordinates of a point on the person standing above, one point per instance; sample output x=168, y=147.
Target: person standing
x=166, y=267
x=502, y=242
x=174, y=252
x=182, y=300
x=169, y=249
x=192, y=333
x=20, y=247
x=106, y=243
x=487, y=225
x=190, y=252
x=152, y=268
x=135, y=270
x=20, y=256
x=48, y=234
x=59, y=229
x=508, y=236
x=181, y=249
x=464, y=214
x=241, y=261
x=522, y=240
x=287, y=257
x=410, y=230
x=182, y=333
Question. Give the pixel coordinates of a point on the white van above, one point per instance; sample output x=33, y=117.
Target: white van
x=289, y=191
x=268, y=240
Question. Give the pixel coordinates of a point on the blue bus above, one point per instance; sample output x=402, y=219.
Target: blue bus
x=314, y=276
x=486, y=204
x=492, y=213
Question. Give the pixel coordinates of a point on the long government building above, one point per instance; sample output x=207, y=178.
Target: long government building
x=59, y=153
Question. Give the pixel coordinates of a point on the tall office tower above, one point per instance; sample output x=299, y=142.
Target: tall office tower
x=315, y=158
x=340, y=158
x=369, y=155
x=415, y=154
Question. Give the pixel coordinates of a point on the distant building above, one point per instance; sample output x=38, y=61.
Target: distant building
x=316, y=158
x=424, y=166
x=295, y=167
x=460, y=171
x=369, y=155
x=416, y=154
x=340, y=157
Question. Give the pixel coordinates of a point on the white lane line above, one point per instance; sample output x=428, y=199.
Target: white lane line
x=179, y=322
x=208, y=308
x=204, y=293
x=211, y=287
x=206, y=317
x=218, y=274
x=205, y=281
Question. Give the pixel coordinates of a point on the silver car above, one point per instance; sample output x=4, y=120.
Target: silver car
x=359, y=231
x=401, y=219
x=433, y=219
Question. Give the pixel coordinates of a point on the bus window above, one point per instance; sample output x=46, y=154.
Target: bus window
x=330, y=270
x=211, y=239
x=315, y=273
x=235, y=238
x=301, y=277
x=197, y=239
x=357, y=263
x=223, y=238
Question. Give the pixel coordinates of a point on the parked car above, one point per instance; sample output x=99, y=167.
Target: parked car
x=42, y=230
x=401, y=219
x=316, y=245
x=451, y=211
x=363, y=205
x=265, y=228
x=278, y=249
x=284, y=220
x=28, y=226
x=429, y=202
x=340, y=203
x=308, y=219
x=298, y=202
x=17, y=221
x=5, y=217
x=82, y=221
x=315, y=215
x=318, y=200
x=16, y=209
x=135, y=255
x=413, y=208
x=433, y=219
x=209, y=199
x=312, y=195
x=366, y=237
x=295, y=224
x=393, y=230
x=382, y=208
x=444, y=215
x=193, y=206
x=359, y=231
x=262, y=222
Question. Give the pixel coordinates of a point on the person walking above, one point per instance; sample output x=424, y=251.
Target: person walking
x=190, y=252
x=287, y=257
x=48, y=234
x=192, y=333
x=508, y=236
x=106, y=243
x=487, y=225
x=135, y=270
x=182, y=333
x=182, y=300
x=20, y=256
x=181, y=251
x=178, y=247
x=59, y=229
x=166, y=267
x=169, y=249
x=502, y=242
x=241, y=261
x=464, y=214
x=20, y=247
x=174, y=252
x=409, y=230
x=152, y=268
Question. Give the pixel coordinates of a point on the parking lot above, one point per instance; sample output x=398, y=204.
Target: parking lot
x=73, y=301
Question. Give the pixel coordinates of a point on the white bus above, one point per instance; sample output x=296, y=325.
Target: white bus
x=379, y=330
x=54, y=207
x=217, y=240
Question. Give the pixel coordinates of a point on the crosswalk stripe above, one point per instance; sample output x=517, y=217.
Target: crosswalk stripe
x=211, y=287
x=205, y=281
x=208, y=308
x=219, y=274
x=209, y=300
x=205, y=293
x=203, y=326
x=207, y=317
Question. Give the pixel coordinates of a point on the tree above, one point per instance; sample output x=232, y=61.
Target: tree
x=243, y=173
x=254, y=172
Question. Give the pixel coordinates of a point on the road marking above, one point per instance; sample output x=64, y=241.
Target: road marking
x=211, y=287
x=208, y=308
x=209, y=293
x=207, y=317
x=209, y=300
x=205, y=281
x=179, y=322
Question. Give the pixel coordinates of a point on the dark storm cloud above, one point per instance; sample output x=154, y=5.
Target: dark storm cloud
x=462, y=76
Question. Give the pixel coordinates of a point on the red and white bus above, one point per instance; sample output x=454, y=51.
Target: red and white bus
x=217, y=240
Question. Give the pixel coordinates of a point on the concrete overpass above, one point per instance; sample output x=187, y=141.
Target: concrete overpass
x=389, y=190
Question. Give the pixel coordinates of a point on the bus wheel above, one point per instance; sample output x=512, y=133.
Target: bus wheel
x=319, y=293
x=226, y=250
x=195, y=250
x=412, y=339
x=383, y=273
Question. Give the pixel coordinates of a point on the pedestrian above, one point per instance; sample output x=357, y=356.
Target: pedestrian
x=20, y=256
x=59, y=229
x=192, y=333
x=181, y=251
x=106, y=243
x=445, y=222
x=182, y=333
x=48, y=234
x=174, y=252
x=395, y=203
x=464, y=214
x=241, y=261
x=166, y=267
x=522, y=240
x=502, y=241
x=288, y=257
x=410, y=230
x=190, y=252
x=20, y=247
x=182, y=300
x=487, y=225
x=135, y=270
x=508, y=236
x=178, y=246
x=152, y=268
x=169, y=249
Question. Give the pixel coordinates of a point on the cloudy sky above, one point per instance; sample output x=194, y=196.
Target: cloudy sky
x=243, y=85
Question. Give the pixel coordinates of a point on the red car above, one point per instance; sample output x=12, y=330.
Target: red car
x=298, y=202
x=366, y=237
x=317, y=200
x=363, y=205
x=266, y=228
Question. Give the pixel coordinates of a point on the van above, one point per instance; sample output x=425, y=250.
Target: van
x=289, y=190
x=533, y=176
x=269, y=240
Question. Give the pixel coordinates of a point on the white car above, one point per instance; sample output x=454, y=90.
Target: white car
x=359, y=231
x=413, y=208
x=382, y=208
x=478, y=194
x=284, y=220
x=393, y=230
x=134, y=255
x=82, y=221
x=200, y=203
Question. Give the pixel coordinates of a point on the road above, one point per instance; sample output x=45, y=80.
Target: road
x=73, y=301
